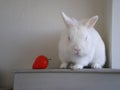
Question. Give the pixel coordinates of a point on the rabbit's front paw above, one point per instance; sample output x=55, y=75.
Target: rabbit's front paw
x=76, y=67
x=63, y=65
x=96, y=66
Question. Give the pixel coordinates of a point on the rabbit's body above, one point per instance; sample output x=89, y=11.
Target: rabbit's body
x=81, y=45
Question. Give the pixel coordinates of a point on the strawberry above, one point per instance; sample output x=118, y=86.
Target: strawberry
x=41, y=62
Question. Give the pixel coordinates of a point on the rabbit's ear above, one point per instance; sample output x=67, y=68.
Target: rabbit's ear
x=92, y=21
x=70, y=22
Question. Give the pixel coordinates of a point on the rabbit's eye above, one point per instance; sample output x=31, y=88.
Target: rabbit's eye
x=69, y=38
x=86, y=38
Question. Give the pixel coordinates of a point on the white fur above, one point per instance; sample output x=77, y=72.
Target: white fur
x=81, y=44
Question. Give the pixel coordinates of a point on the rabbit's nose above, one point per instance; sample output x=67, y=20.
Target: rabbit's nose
x=77, y=49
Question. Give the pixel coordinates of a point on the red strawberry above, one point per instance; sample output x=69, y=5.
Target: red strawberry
x=41, y=62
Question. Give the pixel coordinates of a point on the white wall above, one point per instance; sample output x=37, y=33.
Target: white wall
x=29, y=28
x=115, y=63
x=112, y=32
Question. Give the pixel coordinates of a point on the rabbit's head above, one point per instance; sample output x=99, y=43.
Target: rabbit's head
x=78, y=36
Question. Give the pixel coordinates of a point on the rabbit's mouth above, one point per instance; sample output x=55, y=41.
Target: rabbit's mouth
x=79, y=54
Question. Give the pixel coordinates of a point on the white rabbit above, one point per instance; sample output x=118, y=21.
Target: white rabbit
x=81, y=44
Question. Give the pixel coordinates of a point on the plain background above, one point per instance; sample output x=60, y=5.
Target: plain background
x=29, y=28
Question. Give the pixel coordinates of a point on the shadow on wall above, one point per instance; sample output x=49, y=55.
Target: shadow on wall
x=6, y=79
x=1, y=78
